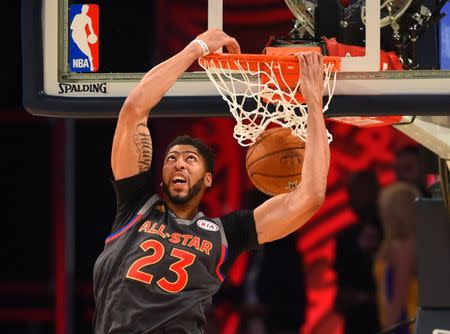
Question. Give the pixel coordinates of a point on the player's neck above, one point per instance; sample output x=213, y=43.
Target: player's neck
x=185, y=211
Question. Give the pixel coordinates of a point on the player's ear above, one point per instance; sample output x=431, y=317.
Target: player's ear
x=208, y=180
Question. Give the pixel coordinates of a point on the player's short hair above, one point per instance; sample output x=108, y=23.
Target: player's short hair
x=204, y=150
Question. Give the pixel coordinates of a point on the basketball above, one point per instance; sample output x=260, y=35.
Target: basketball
x=274, y=162
x=92, y=38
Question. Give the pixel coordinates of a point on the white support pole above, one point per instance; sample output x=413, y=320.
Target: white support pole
x=371, y=61
x=215, y=15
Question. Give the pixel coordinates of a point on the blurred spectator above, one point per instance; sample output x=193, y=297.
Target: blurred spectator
x=356, y=247
x=409, y=168
x=274, y=290
x=396, y=263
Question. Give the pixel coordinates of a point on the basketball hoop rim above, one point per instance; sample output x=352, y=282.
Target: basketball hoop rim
x=267, y=79
x=253, y=59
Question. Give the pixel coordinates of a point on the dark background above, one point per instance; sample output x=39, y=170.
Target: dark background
x=32, y=181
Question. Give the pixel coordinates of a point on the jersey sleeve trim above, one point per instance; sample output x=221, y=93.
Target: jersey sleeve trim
x=223, y=250
x=218, y=221
x=223, y=257
x=151, y=201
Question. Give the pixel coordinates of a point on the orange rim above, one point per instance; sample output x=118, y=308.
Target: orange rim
x=253, y=62
x=285, y=68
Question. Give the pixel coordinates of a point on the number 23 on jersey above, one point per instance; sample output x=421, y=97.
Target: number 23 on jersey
x=179, y=267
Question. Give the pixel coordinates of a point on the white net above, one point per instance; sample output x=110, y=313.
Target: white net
x=260, y=95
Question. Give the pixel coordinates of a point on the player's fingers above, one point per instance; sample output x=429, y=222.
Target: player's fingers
x=313, y=64
x=214, y=38
x=302, y=66
x=310, y=63
x=320, y=67
x=314, y=59
x=317, y=65
x=320, y=57
x=308, y=73
x=306, y=58
x=233, y=46
x=301, y=59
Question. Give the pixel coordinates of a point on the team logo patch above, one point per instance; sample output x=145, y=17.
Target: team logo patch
x=207, y=225
x=84, y=38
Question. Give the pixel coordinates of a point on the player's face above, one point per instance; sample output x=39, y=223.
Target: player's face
x=184, y=174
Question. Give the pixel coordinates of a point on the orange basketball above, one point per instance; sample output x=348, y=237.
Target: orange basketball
x=274, y=162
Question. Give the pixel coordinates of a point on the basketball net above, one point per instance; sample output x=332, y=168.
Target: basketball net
x=261, y=92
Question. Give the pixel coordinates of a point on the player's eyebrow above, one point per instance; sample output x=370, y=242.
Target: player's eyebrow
x=183, y=152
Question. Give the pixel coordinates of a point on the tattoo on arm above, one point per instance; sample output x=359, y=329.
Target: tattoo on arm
x=143, y=143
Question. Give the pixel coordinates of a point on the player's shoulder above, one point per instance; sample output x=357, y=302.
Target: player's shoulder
x=237, y=215
x=133, y=212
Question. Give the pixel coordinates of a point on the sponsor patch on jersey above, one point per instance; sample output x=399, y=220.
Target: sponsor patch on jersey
x=207, y=225
x=84, y=38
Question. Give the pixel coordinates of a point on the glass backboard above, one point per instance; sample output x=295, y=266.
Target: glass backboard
x=395, y=60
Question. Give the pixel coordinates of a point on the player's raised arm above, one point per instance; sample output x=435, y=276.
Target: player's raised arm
x=285, y=213
x=132, y=144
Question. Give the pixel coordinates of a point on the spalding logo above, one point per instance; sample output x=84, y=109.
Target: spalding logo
x=207, y=225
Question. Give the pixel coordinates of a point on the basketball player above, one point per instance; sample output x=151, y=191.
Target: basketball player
x=164, y=259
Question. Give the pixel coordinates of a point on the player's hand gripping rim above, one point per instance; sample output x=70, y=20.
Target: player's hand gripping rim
x=214, y=39
x=311, y=76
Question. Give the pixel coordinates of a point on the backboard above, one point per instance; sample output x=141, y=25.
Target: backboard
x=134, y=36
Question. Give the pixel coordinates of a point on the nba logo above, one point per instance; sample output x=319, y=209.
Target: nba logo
x=83, y=38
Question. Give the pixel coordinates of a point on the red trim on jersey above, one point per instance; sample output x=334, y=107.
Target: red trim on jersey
x=117, y=234
x=221, y=261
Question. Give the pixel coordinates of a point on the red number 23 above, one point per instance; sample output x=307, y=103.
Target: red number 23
x=179, y=267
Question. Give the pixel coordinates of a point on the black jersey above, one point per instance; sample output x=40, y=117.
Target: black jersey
x=157, y=271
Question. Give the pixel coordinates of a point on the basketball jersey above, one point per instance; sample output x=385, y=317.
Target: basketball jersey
x=158, y=272
x=385, y=277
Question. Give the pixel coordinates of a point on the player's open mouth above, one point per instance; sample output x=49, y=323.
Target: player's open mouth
x=179, y=179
